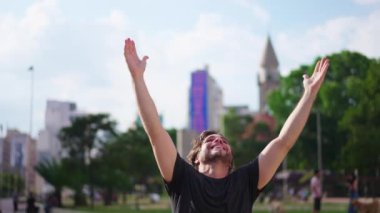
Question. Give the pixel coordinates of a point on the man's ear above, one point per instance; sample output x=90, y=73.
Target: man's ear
x=196, y=161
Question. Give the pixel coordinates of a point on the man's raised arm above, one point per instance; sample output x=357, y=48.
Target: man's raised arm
x=162, y=145
x=274, y=153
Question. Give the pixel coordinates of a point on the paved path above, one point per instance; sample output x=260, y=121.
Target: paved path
x=6, y=206
x=65, y=211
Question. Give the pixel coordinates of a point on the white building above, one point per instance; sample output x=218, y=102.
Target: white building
x=215, y=103
x=58, y=114
x=185, y=138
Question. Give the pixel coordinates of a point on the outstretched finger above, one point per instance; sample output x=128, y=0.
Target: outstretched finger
x=316, y=67
x=133, y=45
x=145, y=58
x=322, y=61
x=130, y=46
x=325, y=66
x=127, y=47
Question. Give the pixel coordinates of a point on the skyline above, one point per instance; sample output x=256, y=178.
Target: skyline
x=76, y=50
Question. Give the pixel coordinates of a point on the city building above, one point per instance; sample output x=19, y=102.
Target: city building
x=185, y=138
x=262, y=125
x=206, y=108
x=58, y=114
x=206, y=102
x=269, y=75
x=19, y=156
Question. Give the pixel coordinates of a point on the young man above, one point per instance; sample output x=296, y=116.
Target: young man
x=316, y=190
x=208, y=186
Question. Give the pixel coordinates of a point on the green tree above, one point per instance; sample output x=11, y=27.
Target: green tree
x=54, y=173
x=10, y=182
x=244, y=149
x=85, y=134
x=112, y=170
x=125, y=161
x=361, y=120
x=333, y=101
x=234, y=125
x=140, y=156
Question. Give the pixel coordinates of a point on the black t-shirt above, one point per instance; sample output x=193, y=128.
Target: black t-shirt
x=191, y=191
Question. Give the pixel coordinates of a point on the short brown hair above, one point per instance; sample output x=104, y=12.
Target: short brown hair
x=197, y=143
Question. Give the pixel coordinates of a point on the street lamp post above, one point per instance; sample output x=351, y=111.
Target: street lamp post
x=319, y=146
x=31, y=70
x=29, y=143
x=319, y=140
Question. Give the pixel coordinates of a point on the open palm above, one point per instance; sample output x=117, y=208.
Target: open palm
x=313, y=83
x=135, y=64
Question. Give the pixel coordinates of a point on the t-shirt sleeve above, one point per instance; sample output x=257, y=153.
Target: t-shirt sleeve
x=252, y=172
x=178, y=174
x=254, y=176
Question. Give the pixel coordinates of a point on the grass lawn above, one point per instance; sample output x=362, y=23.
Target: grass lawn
x=163, y=207
x=129, y=210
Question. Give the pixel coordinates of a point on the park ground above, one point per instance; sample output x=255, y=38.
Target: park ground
x=330, y=205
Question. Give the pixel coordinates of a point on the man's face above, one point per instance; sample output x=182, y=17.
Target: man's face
x=215, y=148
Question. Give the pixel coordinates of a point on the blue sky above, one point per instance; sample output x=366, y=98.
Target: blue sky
x=76, y=49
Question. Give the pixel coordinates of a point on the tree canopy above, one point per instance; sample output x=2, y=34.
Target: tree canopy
x=346, y=103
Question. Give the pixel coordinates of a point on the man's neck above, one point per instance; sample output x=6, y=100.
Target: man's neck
x=216, y=170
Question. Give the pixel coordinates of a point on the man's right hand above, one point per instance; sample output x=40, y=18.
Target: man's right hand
x=135, y=64
x=163, y=146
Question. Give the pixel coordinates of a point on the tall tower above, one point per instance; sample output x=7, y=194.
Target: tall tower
x=58, y=114
x=269, y=75
x=206, y=102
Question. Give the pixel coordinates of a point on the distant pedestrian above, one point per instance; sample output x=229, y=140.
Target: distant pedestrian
x=316, y=190
x=31, y=204
x=353, y=192
x=48, y=203
x=15, y=201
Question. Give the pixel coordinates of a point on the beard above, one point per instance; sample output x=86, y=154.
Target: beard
x=224, y=157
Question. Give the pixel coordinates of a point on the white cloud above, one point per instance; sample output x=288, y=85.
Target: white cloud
x=83, y=62
x=366, y=2
x=21, y=37
x=257, y=10
x=226, y=48
x=360, y=34
x=116, y=20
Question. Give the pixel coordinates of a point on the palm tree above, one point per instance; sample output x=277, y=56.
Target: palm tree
x=85, y=134
x=54, y=173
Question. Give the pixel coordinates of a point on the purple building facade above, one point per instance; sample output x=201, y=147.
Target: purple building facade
x=199, y=101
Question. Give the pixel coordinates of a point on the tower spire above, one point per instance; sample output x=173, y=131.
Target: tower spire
x=269, y=59
x=269, y=75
